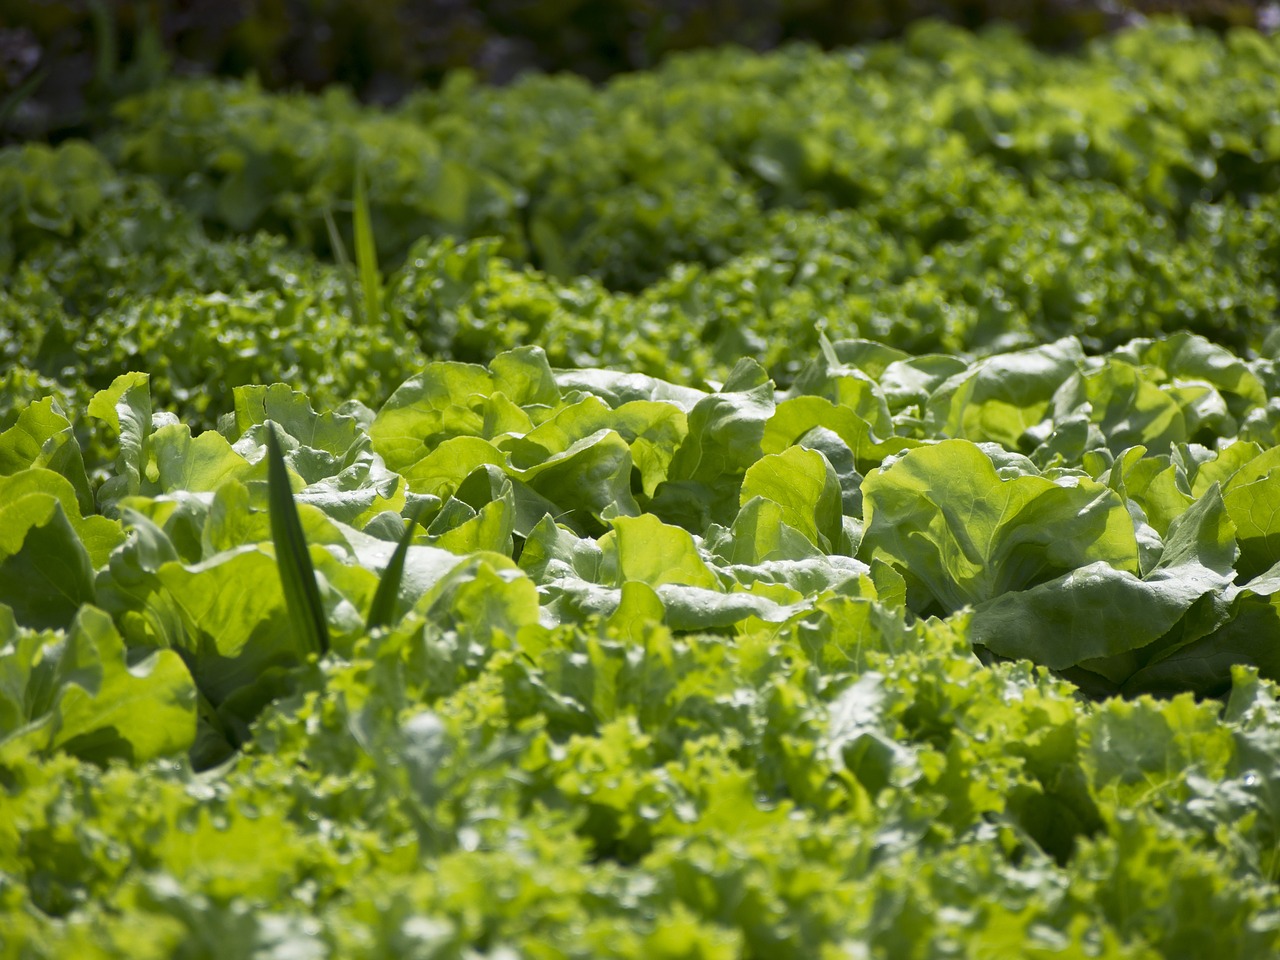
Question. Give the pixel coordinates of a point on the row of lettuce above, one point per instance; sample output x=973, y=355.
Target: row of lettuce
x=671, y=672
x=810, y=654
x=948, y=193
x=125, y=279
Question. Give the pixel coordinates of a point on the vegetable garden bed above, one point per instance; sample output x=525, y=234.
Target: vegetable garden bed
x=803, y=505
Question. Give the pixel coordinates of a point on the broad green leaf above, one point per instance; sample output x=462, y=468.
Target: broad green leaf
x=82, y=692
x=725, y=433
x=1204, y=410
x=130, y=590
x=180, y=461
x=891, y=586
x=726, y=429
x=237, y=624
x=618, y=387
x=1127, y=406
x=842, y=374
x=638, y=607
x=1098, y=616
x=871, y=357
x=796, y=417
x=332, y=454
x=482, y=594
x=804, y=484
x=552, y=552
x=480, y=516
x=45, y=572
x=425, y=568
x=1256, y=468
x=910, y=381
x=646, y=549
x=761, y=532
x=589, y=481
x=1254, y=508
x=1157, y=485
x=462, y=400
x=849, y=480
x=290, y=409
x=446, y=400
x=42, y=437
x=1204, y=665
x=653, y=431
x=491, y=601
x=439, y=472
x=998, y=399
x=693, y=608
x=1262, y=425
x=961, y=535
x=809, y=578
x=1224, y=466
x=234, y=518
x=126, y=407
x=97, y=535
x=1188, y=356
x=568, y=600
x=524, y=375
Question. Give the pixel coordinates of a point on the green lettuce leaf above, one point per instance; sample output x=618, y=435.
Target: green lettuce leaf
x=647, y=550
x=725, y=434
x=588, y=482
x=998, y=399
x=48, y=551
x=43, y=437
x=462, y=400
x=1254, y=508
x=480, y=516
x=81, y=691
x=125, y=406
x=1100, y=617
x=759, y=533
x=962, y=535
x=1236, y=627
x=1128, y=407
x=804, y=484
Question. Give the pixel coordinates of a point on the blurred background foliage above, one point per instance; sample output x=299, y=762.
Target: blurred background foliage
x=63, y=61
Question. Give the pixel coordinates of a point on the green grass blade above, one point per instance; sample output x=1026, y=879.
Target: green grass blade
x=9, y=104
x=298, y=576
x=366, y=250
x=106, y=47
x=384, y=600
x=344, y=264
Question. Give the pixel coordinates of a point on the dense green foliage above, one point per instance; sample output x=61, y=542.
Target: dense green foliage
x=61, y=63
x=801, y=506
x=670, y=223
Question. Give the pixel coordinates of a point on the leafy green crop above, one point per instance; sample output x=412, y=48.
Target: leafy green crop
x=668, y=223
x=811, y=505
x=648, y=654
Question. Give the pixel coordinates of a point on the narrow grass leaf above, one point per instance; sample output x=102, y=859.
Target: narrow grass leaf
x=293, y=559
x=384, y=600
x=344, y=264
x=366, y=250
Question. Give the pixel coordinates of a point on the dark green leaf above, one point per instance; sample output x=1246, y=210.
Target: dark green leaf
x=293, y=558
